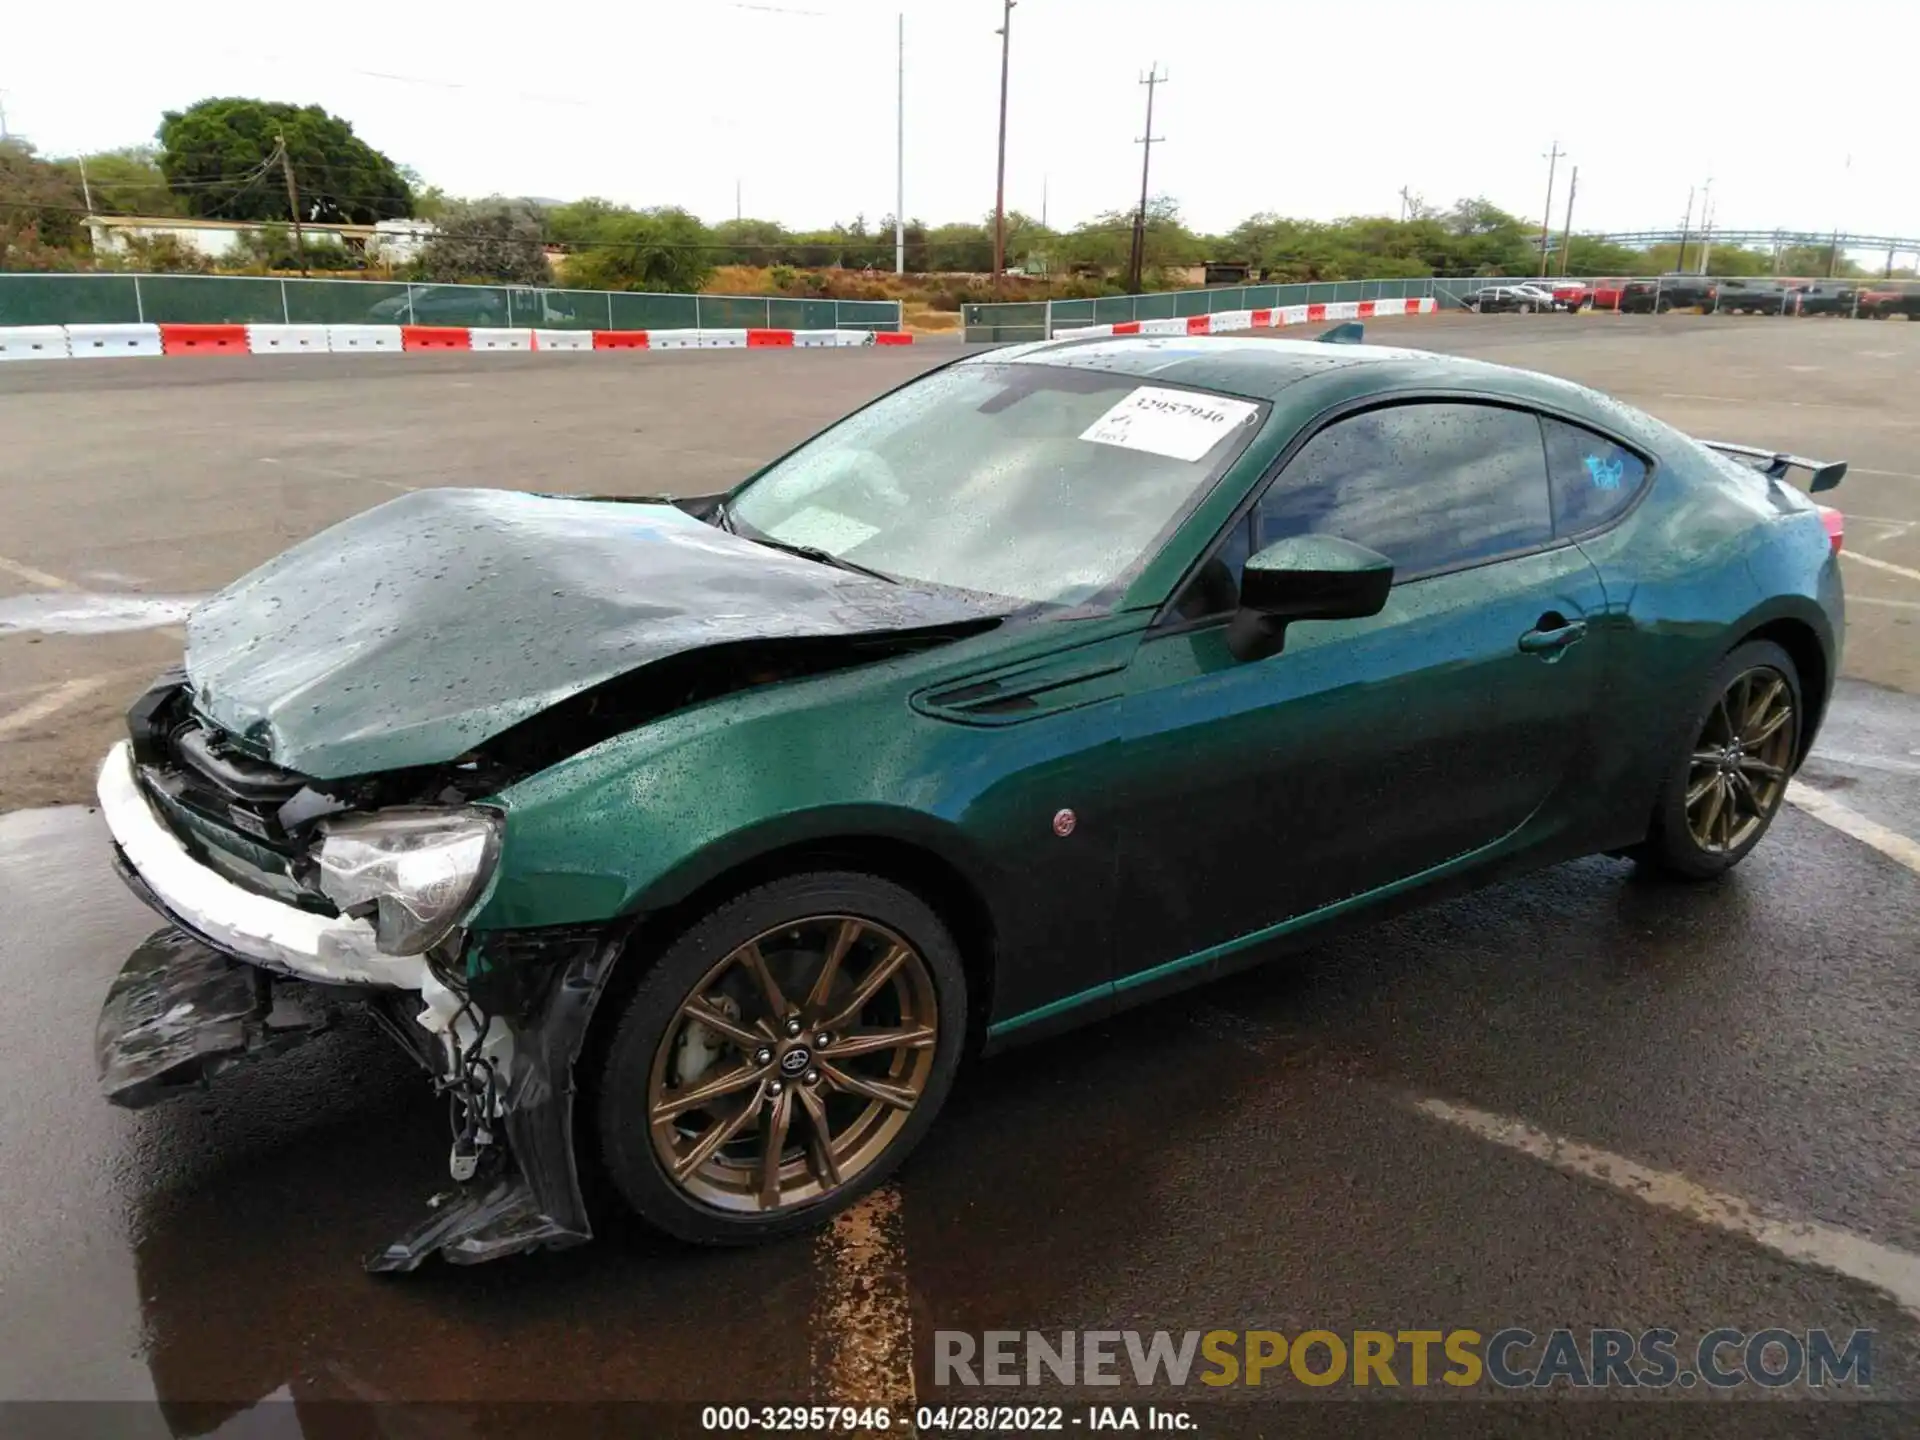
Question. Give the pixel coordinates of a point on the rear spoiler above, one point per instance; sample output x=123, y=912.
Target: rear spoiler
x=1822, y=474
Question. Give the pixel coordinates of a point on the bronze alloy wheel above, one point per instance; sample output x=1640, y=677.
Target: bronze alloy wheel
x=1739, y=768
x=793, y=1064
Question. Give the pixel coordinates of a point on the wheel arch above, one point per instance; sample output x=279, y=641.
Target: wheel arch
x=1802, y=639
x=916, y=861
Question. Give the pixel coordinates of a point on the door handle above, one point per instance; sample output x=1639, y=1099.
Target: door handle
x=1552, y=636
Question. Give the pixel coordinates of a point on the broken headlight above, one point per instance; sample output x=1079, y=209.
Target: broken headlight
x=415, y=872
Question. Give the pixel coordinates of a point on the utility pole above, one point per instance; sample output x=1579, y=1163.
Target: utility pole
x=1566, y=235
x=1044, y=181
x=1136, y=264
x=1833, y=251
x=1406, y=202
x=900, y=157
x=293, y=202
x=737, y=211
x=1552, y=158
x=3, y=115
x=86, y=190
x=1706, y=225
x=1005, y=32
x=1686, y=227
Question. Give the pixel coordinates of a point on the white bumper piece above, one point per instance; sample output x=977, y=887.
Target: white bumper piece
x=254, y=927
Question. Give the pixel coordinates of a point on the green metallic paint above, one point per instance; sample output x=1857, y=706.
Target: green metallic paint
x=1373, y=759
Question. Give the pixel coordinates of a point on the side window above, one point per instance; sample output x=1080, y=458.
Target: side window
x=1593, y=478
x=1430, y=486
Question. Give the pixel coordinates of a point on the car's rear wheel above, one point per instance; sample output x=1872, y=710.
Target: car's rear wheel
x=781, y=1058
x=1729, y=783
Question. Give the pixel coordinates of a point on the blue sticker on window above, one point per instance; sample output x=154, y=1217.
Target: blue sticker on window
x=1605, y=474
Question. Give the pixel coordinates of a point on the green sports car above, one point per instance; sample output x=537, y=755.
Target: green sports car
x=689, y=844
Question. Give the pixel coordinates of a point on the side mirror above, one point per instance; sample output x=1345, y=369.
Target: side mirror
x=1304, y=577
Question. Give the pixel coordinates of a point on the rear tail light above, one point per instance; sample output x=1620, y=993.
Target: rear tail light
x=1836, y=524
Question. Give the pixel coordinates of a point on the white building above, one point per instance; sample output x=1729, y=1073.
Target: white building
x=391, y=241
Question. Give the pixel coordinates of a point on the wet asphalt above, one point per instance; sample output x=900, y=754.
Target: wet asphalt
x=1253, y=1154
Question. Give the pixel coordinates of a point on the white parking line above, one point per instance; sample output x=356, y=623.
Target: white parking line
x=1893, y=1271
x=34, y=577
x=1878, y=564
x=1848, y=821
x=51, y=702
x=1890, y=604
x=862, y=1327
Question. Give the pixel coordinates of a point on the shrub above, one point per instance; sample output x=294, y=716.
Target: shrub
x=165, y=254
x=782, y=276
x=493, y=239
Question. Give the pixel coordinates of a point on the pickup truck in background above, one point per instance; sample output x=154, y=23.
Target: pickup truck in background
x=1669, y=292
x=1751, y=297
x=1822, y=297
x=1885, y=304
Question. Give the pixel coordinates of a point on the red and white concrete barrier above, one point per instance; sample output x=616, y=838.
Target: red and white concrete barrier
x=86, y=342
x=1224, y=322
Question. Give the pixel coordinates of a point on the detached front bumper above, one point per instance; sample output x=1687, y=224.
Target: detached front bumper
x=325, y=949
x=243, y=976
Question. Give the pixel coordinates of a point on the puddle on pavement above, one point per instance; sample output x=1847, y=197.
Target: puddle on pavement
x=71, y=614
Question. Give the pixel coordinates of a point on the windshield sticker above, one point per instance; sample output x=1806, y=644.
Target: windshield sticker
x=1179, y=424
x=825, y=529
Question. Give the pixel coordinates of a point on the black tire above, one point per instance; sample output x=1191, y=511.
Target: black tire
x=620, y=1103
x=1670, y=847
x=1663, y=307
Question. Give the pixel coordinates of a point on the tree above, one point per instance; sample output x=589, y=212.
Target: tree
x=665, y=249
x=1486, y=240
x=752, y=242
x=1106, y=240
x=491, y=239
x=959, y=248
x=218, y=156
x=126, y=182
x=40, y=212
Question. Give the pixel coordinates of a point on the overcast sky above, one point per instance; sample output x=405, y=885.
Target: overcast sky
x=1312, y=110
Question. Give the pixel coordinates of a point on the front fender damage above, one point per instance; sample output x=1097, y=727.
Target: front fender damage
x=499, y=1036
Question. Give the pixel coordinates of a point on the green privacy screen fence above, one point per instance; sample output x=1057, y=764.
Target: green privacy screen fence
x=246, y=300
x=1040, y=319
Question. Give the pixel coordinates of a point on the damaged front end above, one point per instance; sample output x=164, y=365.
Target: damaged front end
x=284, y=923
x=499, y=1042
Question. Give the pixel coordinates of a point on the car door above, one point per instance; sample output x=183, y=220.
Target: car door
x=1374, y=751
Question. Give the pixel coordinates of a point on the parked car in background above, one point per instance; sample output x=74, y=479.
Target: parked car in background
x=1750, y=297
x=1494, y=299
x=1540, y=291
x=1605, y=294
x=1884, y=304
x=1669, y=292
x=1822, y=297
x=1572, y=294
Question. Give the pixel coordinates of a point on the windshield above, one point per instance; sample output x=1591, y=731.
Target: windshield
x=1038, y=482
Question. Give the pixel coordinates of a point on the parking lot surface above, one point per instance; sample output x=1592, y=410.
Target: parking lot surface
x=1579, y=1099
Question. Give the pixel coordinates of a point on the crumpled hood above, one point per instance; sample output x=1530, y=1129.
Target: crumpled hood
x=411, y=633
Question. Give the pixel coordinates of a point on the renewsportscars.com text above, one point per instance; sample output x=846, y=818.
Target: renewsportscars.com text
x=1512, y=1358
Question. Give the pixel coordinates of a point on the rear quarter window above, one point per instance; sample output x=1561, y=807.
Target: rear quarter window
x=1593, y=478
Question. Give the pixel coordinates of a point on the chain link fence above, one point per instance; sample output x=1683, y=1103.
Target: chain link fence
x=1041, y=319
x=265, y=300
x=1017, y=321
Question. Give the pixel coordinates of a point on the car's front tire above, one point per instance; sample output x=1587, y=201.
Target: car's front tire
x=1730, y=779
x=781, y=1058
